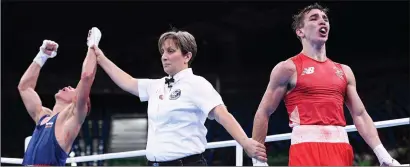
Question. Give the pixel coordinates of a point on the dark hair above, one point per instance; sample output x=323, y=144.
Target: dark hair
x=183, y=40
x=298, y=18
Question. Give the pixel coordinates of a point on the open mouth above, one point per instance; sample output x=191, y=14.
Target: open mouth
x=323, y=31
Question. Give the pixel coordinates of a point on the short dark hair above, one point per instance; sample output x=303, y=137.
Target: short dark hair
x=298, y=18
x=183, y=40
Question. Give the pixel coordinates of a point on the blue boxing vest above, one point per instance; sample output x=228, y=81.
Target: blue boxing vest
x=43, y=149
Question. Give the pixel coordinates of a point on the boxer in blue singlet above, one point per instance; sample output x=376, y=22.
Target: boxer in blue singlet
x=57, y=129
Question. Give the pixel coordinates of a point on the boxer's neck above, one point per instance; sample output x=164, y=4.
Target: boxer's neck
x=314, y=50
x=60, y=106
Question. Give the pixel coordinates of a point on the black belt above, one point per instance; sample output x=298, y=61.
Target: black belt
x=177, y=162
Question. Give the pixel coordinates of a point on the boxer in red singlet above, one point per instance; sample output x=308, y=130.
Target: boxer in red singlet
x=314, y=89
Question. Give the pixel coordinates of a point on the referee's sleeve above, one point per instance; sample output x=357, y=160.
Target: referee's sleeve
x=143, y=89
x=205, y=96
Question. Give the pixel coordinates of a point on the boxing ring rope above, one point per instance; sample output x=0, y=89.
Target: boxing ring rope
x=220, y=144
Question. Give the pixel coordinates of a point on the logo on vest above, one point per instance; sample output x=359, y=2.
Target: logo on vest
x=309, y=70
x=338, y=72
x=175, y=94
x=49, y=124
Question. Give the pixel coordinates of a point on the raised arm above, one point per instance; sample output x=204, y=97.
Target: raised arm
x=125, y=81
x=74, y=121
x=274, y=93
x=88, y=72
x=83, y=88
x=362, y=120
x=28, y=81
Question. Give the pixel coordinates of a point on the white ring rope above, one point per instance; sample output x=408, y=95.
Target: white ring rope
x=220, y=144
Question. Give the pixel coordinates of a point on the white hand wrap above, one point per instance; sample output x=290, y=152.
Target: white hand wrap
x=41, y=56
x=256, y=162
x=384, y=156
x=94, y=37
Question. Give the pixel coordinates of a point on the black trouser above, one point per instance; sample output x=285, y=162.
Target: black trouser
x=193, y=160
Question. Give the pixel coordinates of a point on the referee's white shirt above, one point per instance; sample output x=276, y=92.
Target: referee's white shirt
x=176, y=115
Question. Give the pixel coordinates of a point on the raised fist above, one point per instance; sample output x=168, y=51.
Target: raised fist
x=94, y=37
x=49, y=48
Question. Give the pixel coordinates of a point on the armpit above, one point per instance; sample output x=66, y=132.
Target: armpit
x=47, y=110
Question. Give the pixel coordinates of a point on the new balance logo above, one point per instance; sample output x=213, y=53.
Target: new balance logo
x=309, y=70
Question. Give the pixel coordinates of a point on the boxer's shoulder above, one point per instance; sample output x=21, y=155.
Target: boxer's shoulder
x=284, y=67
x=288, y=65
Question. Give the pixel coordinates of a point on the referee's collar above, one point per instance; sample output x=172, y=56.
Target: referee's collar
x=182, y=73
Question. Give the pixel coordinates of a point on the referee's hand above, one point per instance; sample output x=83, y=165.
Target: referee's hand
x=255, y=150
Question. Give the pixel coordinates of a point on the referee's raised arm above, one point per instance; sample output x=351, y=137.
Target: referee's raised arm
x=125, y=81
